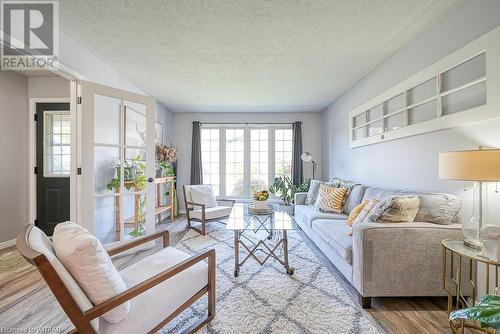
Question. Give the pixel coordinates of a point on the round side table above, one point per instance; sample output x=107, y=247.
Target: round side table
x=461, y=279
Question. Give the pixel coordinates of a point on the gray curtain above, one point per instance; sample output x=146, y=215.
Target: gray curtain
x=196, y=171
x=297, y=174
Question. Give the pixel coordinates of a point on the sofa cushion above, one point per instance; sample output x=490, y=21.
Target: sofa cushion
x=379, y=193
x=396, y=209
x=211, y=213
x=336, y=234
x=438, y=208
x=151, y=307
x=307, y=213
x=90, y=265
x=354, y=198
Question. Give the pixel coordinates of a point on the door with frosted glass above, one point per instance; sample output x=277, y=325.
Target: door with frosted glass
x=118, y=163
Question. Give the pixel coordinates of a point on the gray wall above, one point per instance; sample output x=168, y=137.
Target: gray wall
x=411, y=163
x=311, y=136
x=14, y=153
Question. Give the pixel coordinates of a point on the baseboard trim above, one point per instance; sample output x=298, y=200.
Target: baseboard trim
x=8, y=243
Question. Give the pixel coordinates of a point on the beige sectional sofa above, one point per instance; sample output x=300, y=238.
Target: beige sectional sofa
x=383, y=260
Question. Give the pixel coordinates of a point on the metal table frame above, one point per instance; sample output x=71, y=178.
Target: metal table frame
x=261, y=246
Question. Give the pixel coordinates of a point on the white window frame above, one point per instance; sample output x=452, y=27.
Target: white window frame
x=46, y=145
x=487, y=44
x=247, y=165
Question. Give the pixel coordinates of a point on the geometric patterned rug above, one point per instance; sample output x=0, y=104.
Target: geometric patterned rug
x=265, y=299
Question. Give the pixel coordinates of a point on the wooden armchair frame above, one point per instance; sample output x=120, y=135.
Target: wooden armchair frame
x=189, y=207
x=82, y=320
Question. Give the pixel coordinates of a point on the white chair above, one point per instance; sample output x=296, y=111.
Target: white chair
x=205, y=209
x=159, y=287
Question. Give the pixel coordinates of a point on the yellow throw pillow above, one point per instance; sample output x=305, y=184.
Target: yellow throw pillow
x=365, y=210
x=355, y=212
x=330, y=199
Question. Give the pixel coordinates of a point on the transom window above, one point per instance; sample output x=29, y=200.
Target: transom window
x=57, y=148
x=240, y=161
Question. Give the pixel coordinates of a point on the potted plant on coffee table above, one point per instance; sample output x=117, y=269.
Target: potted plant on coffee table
x=260, y=200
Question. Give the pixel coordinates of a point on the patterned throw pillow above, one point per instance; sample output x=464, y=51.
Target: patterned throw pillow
x=354, y=214
x=396, y=209
x=330, y=198
x=365, y=211
x=312, y=193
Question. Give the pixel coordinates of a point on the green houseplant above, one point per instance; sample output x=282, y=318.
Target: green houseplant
x=486, y=314
x=134, y=171
x=283, y=187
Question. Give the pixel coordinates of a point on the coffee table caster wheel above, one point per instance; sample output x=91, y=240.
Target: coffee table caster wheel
x=236, y=273
x=290, y=271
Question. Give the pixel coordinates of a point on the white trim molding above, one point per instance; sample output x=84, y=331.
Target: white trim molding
x=7, y=244
x=484, y=52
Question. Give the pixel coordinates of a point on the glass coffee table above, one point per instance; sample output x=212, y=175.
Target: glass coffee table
x=261, y=233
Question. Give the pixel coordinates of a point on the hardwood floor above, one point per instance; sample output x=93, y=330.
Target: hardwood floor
x=26, y=301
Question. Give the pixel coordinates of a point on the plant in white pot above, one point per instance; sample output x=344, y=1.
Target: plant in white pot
x=260, y=200
x=284, y=188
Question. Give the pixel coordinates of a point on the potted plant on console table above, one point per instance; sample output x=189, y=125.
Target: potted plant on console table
x=284, y=188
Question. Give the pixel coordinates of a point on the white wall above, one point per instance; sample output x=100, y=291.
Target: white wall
x=48, y=87
x=14, y=153
x=311, y=137
x=411, y=163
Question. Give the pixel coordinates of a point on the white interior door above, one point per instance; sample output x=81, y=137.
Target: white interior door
x=118, y=152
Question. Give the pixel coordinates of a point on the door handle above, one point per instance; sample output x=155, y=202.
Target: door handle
x=150, y=180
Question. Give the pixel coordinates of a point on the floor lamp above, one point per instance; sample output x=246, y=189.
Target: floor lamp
x=478, y=166
x=307, y=157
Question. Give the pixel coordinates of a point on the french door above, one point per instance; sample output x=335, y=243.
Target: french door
x=117, y=159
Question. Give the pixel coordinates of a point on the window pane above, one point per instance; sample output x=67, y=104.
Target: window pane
x=395, y=104
x=464, y=99
x=210, y=158
x=235, y=144
x=375, y=113
x=57, y=146
x=259, y=172
x=422, y=113
x=468, y=71
x=423, y=91
x=394, y=122
x=283, y=153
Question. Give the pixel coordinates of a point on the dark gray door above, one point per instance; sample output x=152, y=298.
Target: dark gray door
x=53, y=165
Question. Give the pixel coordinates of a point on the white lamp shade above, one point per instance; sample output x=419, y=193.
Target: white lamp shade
x=306, y=156
x=476, y=165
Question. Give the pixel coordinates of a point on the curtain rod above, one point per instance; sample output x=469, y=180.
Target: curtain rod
x=246, y=123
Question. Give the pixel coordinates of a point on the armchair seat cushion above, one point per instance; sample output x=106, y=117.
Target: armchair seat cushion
x=212, y=213
x=153, y=306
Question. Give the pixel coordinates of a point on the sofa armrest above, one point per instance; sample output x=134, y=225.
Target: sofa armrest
x=401, y=259
x=300, y=198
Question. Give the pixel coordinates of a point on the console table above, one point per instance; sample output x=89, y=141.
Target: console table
x=159, y=209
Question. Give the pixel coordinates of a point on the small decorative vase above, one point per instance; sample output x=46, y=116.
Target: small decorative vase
x=260, y=205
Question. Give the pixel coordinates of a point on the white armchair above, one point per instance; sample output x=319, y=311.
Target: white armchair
x=159, y=287
x=201, y=206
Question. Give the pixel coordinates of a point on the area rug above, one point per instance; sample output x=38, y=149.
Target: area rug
x=265, y=299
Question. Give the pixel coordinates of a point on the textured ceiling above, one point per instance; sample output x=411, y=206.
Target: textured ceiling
x=239, y=55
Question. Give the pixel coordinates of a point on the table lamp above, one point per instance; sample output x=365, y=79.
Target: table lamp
x=306, y=157
x=478, y=166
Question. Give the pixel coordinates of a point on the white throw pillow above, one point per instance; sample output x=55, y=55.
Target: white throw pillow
x=90, y=265
x=204, y=194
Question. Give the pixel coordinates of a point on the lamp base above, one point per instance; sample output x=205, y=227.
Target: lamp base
x=475, y=244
